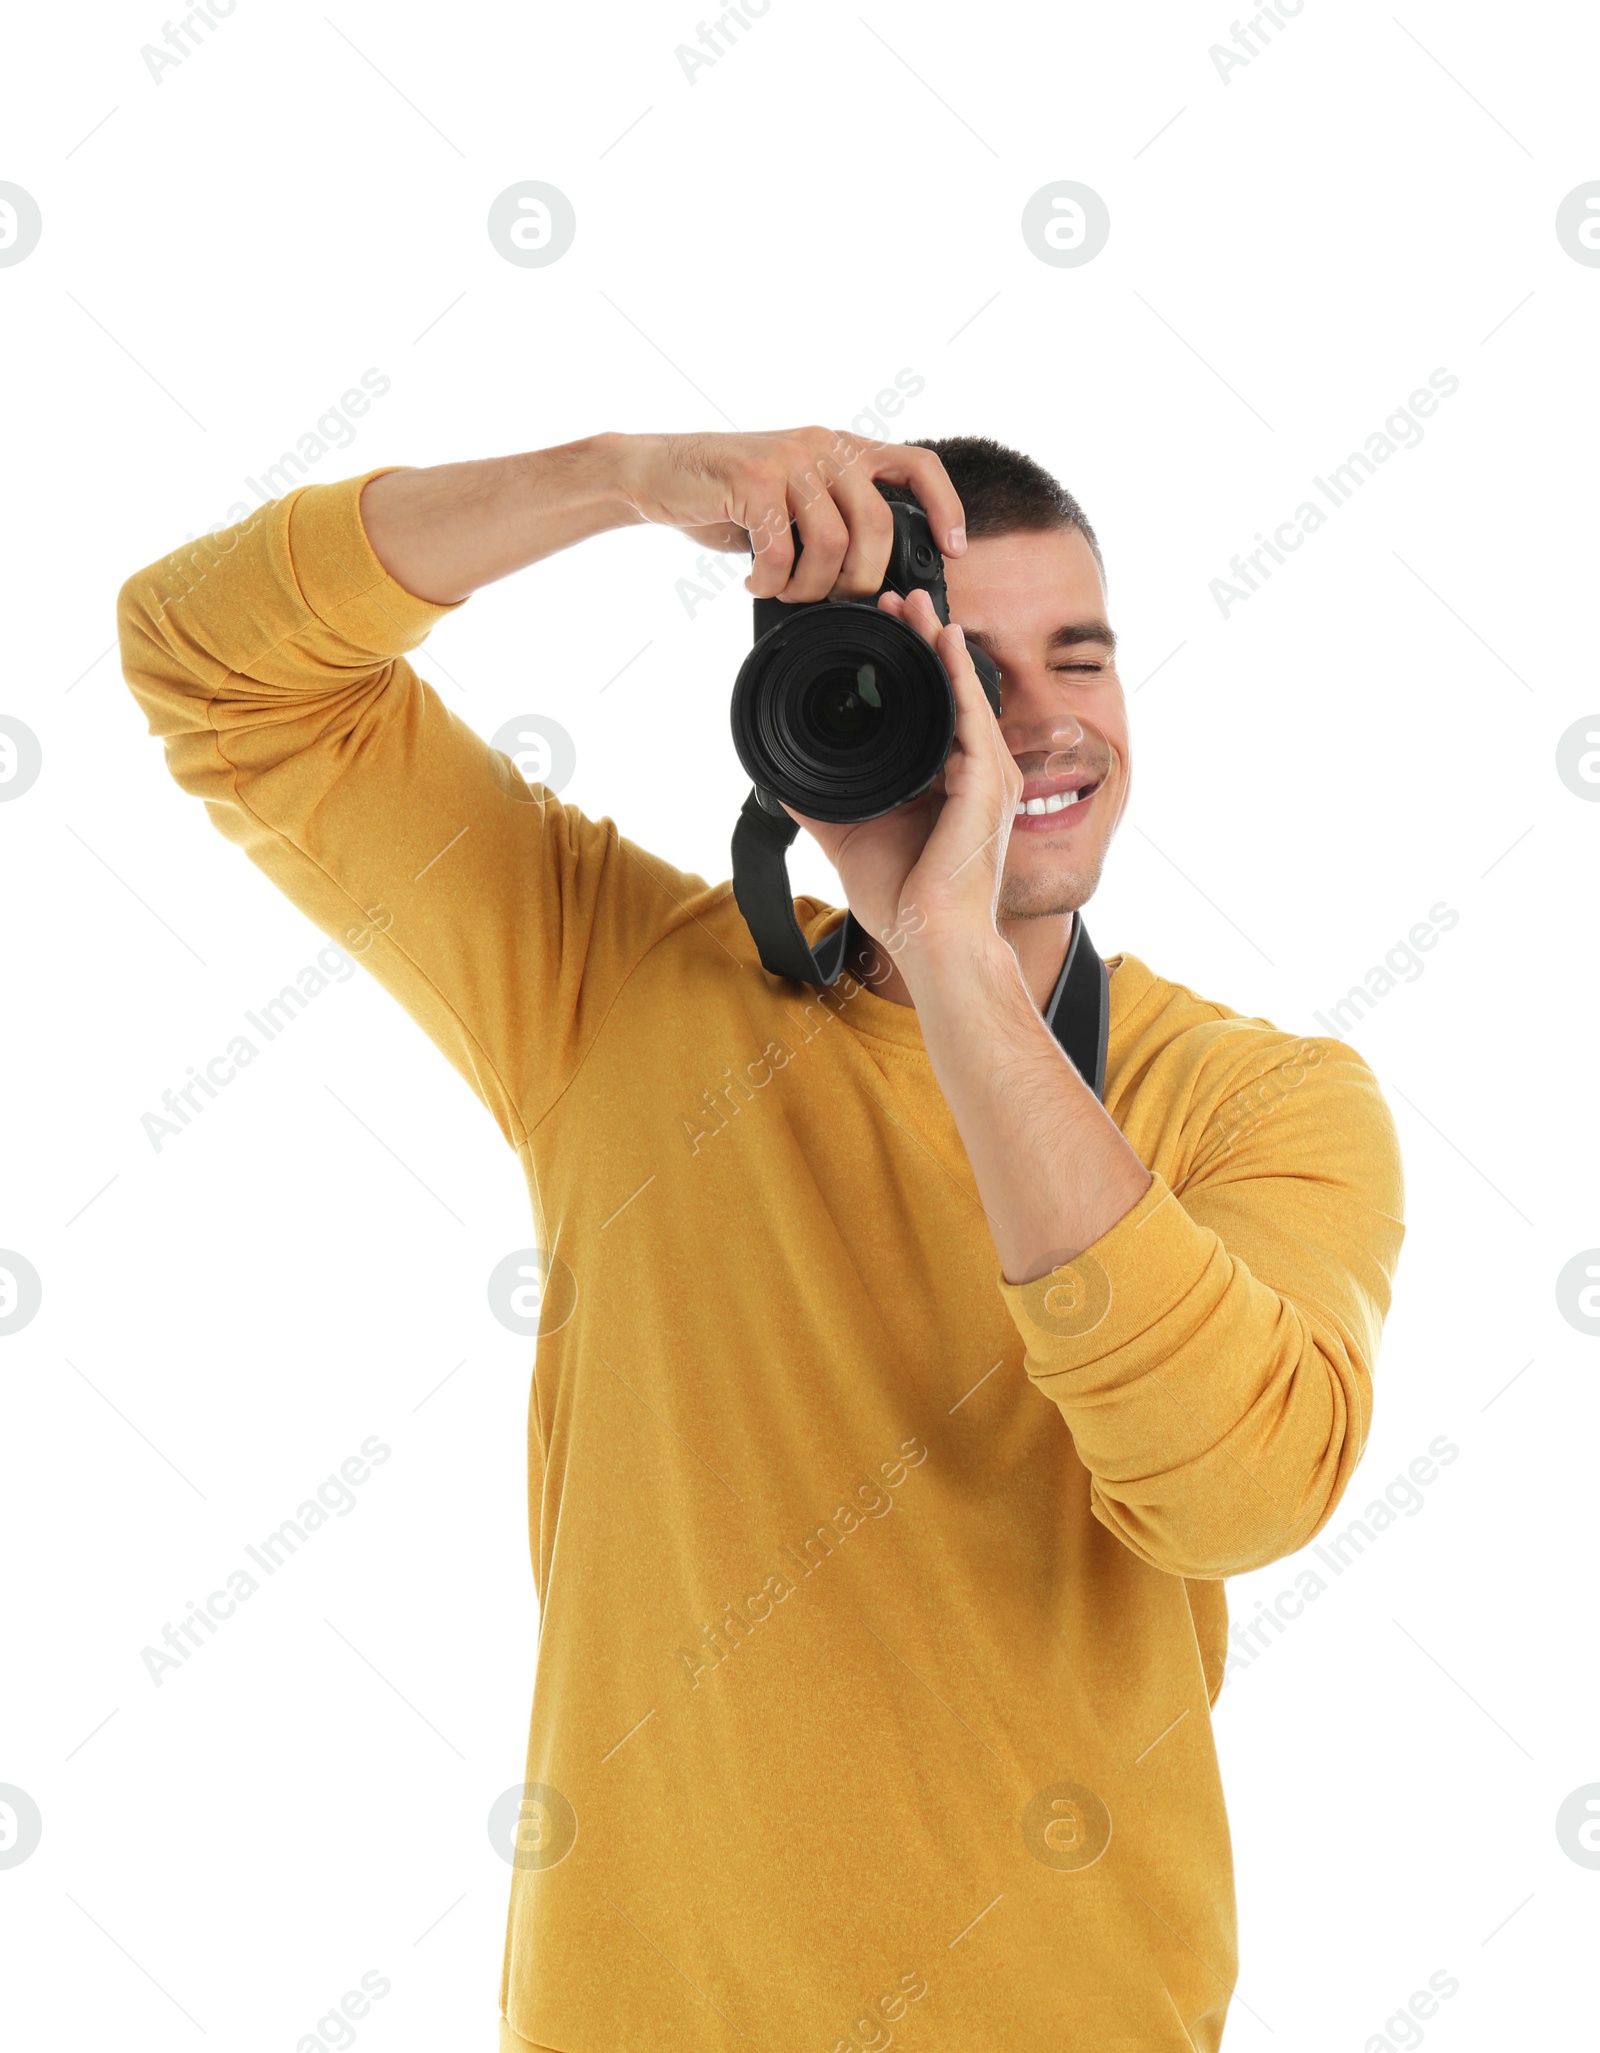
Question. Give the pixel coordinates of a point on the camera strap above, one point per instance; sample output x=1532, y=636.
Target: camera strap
x=1079, y=1011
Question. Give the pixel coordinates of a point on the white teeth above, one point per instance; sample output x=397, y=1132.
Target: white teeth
x=1057, y=802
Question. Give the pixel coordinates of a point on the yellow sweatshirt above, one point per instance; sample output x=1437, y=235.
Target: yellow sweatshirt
x=881, y=1601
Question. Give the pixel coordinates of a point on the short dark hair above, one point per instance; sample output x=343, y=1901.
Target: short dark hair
x=1003, y=492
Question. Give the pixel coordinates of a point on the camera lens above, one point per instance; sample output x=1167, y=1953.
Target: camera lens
x=843, y=712
x=845, y=706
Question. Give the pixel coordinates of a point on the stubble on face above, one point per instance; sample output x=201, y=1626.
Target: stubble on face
x=1040, y=892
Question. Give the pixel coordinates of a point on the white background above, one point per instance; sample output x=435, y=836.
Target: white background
x=1292, y=252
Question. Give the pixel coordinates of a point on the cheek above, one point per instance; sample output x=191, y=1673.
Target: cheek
x=1124, y=779
x=1118, y=737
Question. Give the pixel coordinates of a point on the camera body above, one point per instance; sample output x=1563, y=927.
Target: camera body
x=844, y=712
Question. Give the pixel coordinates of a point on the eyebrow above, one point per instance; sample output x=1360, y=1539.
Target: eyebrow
x=1068, y=636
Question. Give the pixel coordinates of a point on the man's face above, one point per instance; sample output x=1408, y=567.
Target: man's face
x=1036, y=604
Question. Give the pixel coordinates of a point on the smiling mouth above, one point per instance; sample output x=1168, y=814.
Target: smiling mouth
x=1054, y=802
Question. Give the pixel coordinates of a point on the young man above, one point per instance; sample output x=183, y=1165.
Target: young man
x=903, y=1409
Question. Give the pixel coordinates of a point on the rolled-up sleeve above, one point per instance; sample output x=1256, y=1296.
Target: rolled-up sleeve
x=1213, y=1353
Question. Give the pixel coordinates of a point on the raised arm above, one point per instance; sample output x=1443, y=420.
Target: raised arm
x=272, y=659
x=444, y=532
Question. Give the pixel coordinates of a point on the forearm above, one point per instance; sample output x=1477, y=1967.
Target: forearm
x=1053, y=1170
x=443, y=531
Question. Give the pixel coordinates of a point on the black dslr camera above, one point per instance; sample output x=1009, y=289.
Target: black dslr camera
x=844, y=713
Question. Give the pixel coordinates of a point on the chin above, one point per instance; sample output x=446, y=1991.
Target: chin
x=1048, y=895
x=1048, y=898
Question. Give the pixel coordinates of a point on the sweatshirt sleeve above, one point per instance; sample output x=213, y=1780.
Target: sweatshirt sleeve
x=271, y=659
x=1213, y=1352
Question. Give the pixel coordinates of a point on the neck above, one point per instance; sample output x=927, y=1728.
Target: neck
x=1040, y=947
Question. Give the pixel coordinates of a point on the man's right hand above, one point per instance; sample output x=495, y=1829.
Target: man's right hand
x=445, y=531
x=743, y=491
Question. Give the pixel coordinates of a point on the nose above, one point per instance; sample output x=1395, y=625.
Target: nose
x=1046, y=750
x=1066, y=739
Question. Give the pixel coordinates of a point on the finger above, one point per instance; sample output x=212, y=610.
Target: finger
x=765, y=516
x=898, y=608
x=899, y=464
x=953, y=654
x=918, y=613
x=824, y=539
x=871, y=531
x=977, y=730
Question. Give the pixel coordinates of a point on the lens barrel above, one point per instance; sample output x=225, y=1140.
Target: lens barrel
x=843, y=712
